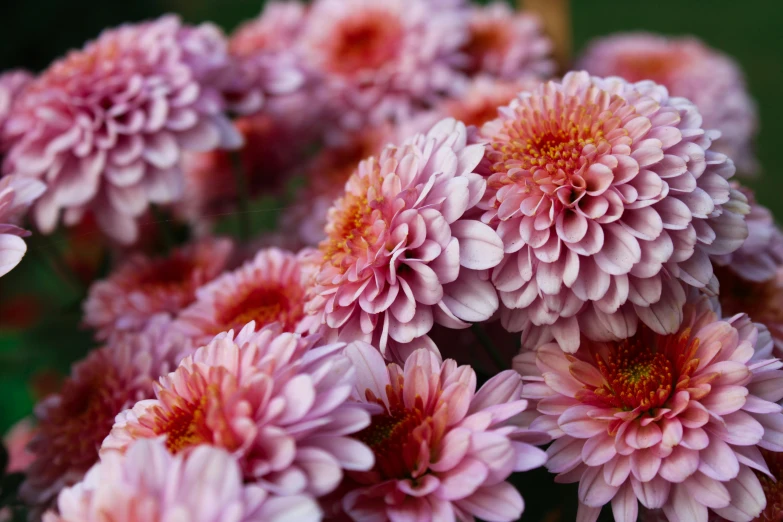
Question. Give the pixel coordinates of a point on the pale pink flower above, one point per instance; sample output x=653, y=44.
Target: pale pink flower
x=761, y=255
x=507, y=44
x=270, y=288
x=688, y=68
x=105, y=126
x=609, y=208
x=442, y=450
x=668, y=421
x=149, y=484
x=401, y=252
x=16, y=440
x=11, y=84
x=380, y=60
x=73, y=423
x=17, y=193
x=265, y=58
x=142, y=286
x=271, y=399
x=326, y=176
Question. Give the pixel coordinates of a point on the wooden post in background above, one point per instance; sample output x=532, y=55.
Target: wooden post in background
x=556, y=17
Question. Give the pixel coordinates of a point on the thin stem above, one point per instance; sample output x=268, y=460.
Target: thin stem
x=58, y=265
x=243, y=205
x=164, y=227
x=489, y=346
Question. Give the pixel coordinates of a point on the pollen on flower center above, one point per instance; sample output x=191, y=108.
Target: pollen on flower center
x=636, y=376
x=263, y=305
x=185, y=427
x=393, y=438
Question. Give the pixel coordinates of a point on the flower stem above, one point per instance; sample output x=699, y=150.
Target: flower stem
x=243, y=206
x=489, y=346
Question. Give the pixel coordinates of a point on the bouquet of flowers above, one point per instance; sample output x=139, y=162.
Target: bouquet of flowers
x=375, y=261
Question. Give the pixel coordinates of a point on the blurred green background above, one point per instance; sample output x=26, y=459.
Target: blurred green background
x=34, y=32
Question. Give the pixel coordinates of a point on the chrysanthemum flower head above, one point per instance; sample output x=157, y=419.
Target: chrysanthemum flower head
x=265, y=61
x=442, y=450
x=270, y=288
x=149, y=484
x=106, y=125
x=143, y=287
x=380, y=60
x=506, y=44
x=73, y=423
x=270, y=399
x=17, y=193
x=401, y=251
x=688, y=68
x=670, y=422
x=761, y=255
x=610, y=203
x=11, y=84
x=482, y=98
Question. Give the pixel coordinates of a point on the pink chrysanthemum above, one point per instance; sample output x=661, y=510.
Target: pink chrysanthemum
x=442, y=450
x=327, y=175
x=506, y=44
x=267, y=289
x=609, y=208
x=17, y=193
x=149, y=484
x=401, y=253
x=143, y=287
x=16, y=441
x=277, y=404
x=668, y=421
x=73, y=423
x=106, y=126
x=11, y=84
x=381, y=60
x=761, y=255
x=688, y=68
x=480, y=101
x=265, y=58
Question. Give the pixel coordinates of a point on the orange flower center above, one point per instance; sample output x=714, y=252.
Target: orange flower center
x=773, y=488
x=351, y=224
x=186, y=428
x=365, y=42
x=484, y=39
x=396, y=435
x=264, y=305
x=636, y=376
x=643, y=372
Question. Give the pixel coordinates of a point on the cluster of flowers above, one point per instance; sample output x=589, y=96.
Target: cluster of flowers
x=593, y=217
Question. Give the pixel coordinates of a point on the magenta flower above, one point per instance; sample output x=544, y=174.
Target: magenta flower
x=668, y=421
x=105, y=126
x=442, y=450
x=761, y=255
x=506, y=44
x=609, y=209
x=149, y=484
x=17, y=193
x=379, y=60
x=267, y=289
x=143, y=287
x=270, y=399
x=11, y=84
x=688, y=68
x=73, y=423
x=265, y=58
x=401, y=250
